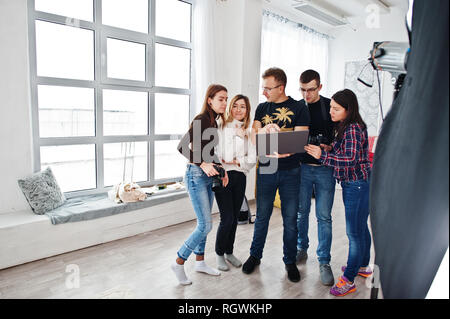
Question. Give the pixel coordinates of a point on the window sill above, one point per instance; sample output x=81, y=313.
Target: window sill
x=89, y=207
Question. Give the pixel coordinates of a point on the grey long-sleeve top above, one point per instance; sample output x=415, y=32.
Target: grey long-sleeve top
x=202, y=136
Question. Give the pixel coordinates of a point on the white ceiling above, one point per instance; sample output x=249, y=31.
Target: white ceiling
x=353, y=10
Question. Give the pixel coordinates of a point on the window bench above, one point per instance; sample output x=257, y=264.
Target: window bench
x=25, y=236
x=99, y=205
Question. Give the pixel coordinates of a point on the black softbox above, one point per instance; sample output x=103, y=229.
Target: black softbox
x=409, y=196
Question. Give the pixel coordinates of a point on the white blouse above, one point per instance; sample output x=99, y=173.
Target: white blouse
x=233, y=146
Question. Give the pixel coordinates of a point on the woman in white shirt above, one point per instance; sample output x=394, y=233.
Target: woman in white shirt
x=238, y=155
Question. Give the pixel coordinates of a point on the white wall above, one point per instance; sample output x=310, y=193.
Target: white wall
x=15, y=128
x=238, y=53
x=349, y=45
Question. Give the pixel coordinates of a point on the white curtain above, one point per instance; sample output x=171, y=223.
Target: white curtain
x=293, y=48
x=203, y=42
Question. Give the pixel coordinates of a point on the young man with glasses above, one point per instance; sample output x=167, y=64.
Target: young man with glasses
x=316, y=178
x=279, y=171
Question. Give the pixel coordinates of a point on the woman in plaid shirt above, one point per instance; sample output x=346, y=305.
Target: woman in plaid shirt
x=349, y=156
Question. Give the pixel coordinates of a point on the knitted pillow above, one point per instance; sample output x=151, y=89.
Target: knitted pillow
x=42, y=191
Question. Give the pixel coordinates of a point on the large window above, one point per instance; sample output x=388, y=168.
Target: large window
x=111, y=90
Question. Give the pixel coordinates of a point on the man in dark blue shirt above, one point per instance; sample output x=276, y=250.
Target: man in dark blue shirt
x=316, y=178
x=280, y=171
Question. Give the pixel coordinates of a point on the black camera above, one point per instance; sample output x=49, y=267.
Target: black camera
x=217, y=179
x=317, y=139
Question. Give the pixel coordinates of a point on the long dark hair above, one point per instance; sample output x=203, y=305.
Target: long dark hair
x=348, y=100
x=211, y=92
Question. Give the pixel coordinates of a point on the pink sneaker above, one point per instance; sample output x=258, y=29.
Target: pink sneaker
x=343, y=287
x=366, y=273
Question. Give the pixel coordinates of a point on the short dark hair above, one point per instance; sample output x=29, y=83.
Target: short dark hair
x=278, y=75
x=310, y=75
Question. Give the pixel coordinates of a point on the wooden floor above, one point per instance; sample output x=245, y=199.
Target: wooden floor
x=138, y=267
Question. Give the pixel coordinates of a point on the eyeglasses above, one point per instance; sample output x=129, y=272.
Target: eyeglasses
x=307, y=90
x=270, y=89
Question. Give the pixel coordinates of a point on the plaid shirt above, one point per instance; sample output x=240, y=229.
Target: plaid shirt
x=350, y=155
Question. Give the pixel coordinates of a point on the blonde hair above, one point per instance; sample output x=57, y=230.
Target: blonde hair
x=229, y=117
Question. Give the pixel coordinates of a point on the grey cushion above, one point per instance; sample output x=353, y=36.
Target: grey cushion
x=42, y=191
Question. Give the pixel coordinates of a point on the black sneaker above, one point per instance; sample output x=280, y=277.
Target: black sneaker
x=292, y=272
x=250, y=264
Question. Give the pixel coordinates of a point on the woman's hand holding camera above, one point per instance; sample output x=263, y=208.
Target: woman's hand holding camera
x=209, y=169
x=313, y=150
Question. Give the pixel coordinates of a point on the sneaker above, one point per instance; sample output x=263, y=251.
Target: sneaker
x=250, y=264
x=326, y=275
x=365, y=273
x=343, y=287
x=302, y=255
x=292, y=272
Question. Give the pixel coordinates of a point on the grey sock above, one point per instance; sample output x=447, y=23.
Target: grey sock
x=233, y=260
x=221, y=263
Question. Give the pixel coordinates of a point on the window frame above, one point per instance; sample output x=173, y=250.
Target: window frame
x=101, y=82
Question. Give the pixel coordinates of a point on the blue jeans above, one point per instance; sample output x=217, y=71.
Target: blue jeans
x=287, y=181
x=321, y=179
x=198, y=185
x=356, y=201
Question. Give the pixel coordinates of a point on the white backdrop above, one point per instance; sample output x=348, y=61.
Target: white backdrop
x=294, y=48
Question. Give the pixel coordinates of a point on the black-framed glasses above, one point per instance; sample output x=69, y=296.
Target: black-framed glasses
x=307, y=90
x=270, y=89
